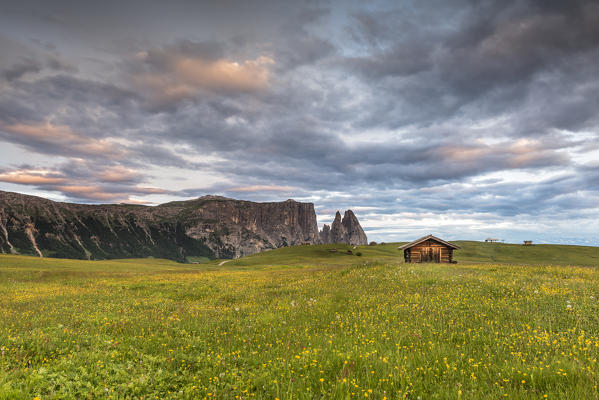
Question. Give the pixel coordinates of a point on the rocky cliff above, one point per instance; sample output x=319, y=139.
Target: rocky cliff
x=346, y=230
x=210, y=226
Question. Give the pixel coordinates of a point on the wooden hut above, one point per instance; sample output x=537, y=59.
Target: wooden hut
x=429, y=249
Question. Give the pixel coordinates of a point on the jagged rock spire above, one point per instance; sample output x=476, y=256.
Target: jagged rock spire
x=353, y=230
x=346, y=230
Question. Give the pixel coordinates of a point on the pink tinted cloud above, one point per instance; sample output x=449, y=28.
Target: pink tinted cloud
x=63, y=136
x=183, y=76
x=25, y=177
x=109, y=185
x=118, y=174
x=522, y=153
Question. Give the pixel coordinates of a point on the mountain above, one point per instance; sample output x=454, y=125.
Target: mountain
x=346, y=230
x=210, y=226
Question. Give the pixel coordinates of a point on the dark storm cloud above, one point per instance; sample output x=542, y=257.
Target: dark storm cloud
x=491, y=55
x=495, y=43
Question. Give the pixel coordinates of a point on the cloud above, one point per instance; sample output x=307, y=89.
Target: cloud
x=467, y=60
x=102, y=193
x=87, y=192
x=25, y=66
x=262, y=188
x=25, y=177
x=84, y=181
x=59, y=136
x=30, y=65
x=118, y=173
x=184, y=70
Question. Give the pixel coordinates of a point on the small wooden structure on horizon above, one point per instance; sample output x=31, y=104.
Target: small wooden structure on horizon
x=429, y=249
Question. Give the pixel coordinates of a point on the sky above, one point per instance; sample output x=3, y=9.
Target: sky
x=465, y=119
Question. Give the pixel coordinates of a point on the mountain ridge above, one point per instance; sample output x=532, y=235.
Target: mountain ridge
x=209, y=226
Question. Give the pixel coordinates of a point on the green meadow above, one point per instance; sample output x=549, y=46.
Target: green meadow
x=304, y=322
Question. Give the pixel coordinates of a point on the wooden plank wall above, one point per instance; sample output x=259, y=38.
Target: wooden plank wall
x=421, y=248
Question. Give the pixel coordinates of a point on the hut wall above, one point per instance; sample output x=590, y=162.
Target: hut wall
x=430, y=251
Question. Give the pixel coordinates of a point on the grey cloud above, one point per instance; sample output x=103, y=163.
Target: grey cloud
x=161, y=58
x=32, y=65
x=400, y=60
x=57, y=64
x=299, y=46
x=489, y=57
x=25, y=66
x=73, y=92
x=302, y=50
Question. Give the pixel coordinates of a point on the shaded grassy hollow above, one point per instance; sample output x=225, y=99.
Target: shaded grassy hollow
x=300, y=323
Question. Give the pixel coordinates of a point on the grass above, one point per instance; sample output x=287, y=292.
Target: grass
x=539, y=254
x=304, y=323
x=470, y=252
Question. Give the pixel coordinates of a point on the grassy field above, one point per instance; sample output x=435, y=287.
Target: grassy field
x=303, y=323
x=470, y=252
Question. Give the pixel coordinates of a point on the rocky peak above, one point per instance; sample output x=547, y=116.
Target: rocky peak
x=337, y=219
x=325, y=234
x=346, y=230
x=353, y=229
x=337, y=234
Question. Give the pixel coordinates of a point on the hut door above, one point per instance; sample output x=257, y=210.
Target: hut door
x=431, y=254
x=436, y=256
x=427, y=255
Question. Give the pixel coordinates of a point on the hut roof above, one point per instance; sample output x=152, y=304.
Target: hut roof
x=422, y=239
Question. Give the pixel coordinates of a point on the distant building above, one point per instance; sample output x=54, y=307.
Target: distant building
x=491, y=240
x=429, y=249
x=528, y=243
